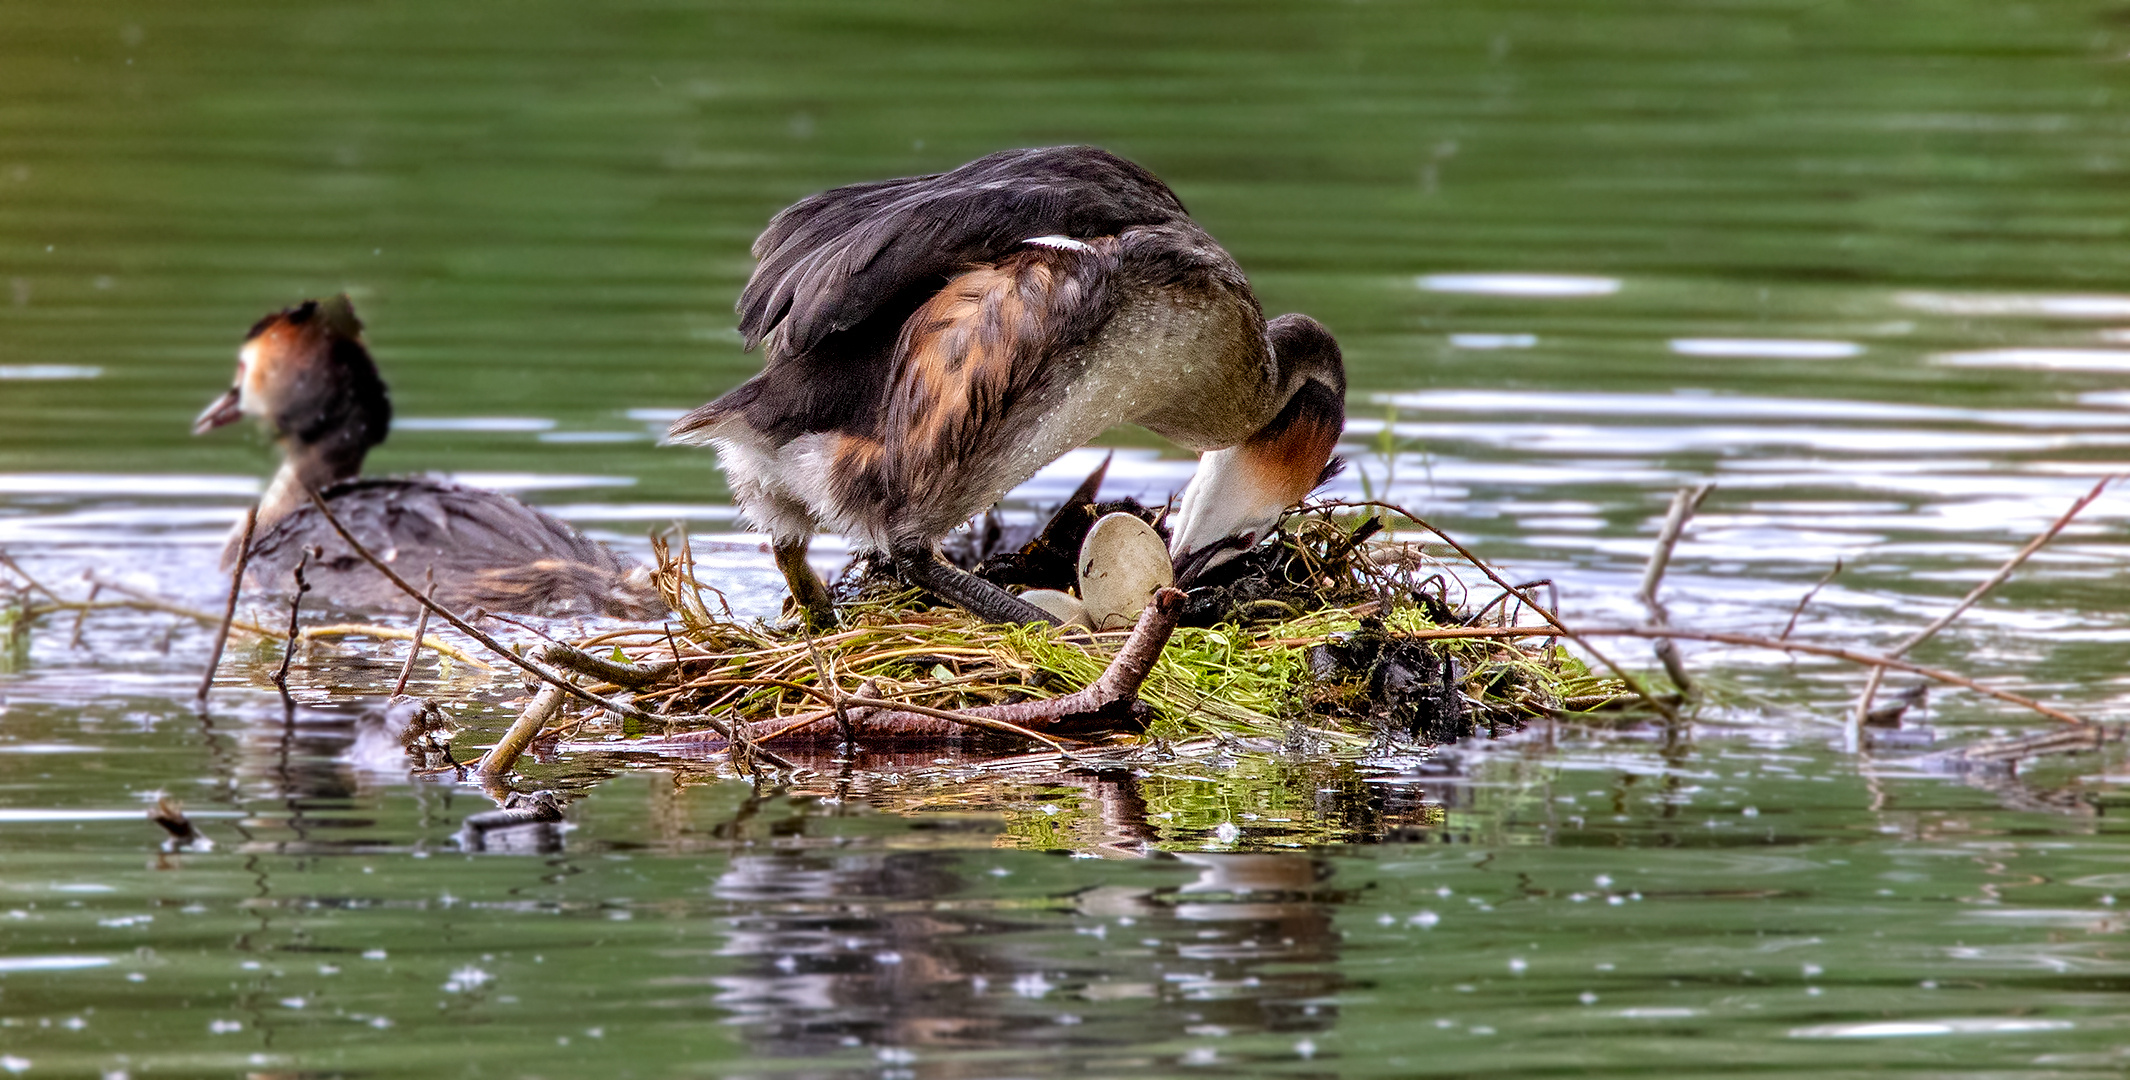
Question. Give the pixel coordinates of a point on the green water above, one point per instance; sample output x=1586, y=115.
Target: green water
x=1860, y=264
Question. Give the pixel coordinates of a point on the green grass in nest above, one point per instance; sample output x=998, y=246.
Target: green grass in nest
x=1251, y=679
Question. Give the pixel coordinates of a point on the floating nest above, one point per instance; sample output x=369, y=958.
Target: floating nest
x=1313, y=640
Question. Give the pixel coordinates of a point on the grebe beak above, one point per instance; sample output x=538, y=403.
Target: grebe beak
x=1191, y=564
x=227, y=409
x=1233, y=501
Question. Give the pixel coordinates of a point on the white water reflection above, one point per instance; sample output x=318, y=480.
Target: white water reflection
x=1768, y=348
x=48, y=372
x=2040, y=359
x=1537, y=286
x=2094, y=306
x=1494, y=341
x=483, y=424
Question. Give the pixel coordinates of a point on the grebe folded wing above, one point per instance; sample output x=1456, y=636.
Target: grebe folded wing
x=829, y=261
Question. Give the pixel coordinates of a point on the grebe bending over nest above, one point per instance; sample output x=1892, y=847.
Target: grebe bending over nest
x=931, y=342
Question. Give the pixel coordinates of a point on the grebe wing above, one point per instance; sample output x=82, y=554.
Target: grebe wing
x=482, y=548
x=829, y=261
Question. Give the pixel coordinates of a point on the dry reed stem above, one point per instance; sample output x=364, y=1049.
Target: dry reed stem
x=414, y=650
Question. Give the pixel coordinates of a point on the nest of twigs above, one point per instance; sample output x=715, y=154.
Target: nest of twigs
x=1307, y=640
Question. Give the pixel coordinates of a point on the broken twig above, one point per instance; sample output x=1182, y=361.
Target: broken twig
x=1683, y=506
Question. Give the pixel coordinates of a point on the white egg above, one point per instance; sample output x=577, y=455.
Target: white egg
x=1063, y=606
x=1122, y=563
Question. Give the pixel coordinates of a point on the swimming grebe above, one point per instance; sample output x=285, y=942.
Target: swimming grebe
x=305, y=373
x=933, y=341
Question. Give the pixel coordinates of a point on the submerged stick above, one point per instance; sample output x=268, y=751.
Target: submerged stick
x=1683, y=506
x=229, y=610
x=539, y=671
x=1633, y=684
x=2059, y=741
x=1853, y=731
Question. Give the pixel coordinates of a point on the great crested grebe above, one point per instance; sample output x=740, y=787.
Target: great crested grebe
x=933, y=341
x=305, y=373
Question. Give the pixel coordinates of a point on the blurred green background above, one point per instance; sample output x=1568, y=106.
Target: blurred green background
x=543, y=208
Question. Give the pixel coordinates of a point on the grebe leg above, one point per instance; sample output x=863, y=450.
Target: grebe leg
x=920, y=565
x=807, y=589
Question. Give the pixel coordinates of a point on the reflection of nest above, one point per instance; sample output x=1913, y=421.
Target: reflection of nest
x=1301, y=640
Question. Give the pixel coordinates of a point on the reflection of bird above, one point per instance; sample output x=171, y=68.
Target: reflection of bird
x=933, y=341
x=305, y=374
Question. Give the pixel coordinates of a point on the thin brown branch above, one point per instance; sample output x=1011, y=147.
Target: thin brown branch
x=229, y=610
x=295, y=611
x=34, y=584
x=1682, y=510
x=1799, y=610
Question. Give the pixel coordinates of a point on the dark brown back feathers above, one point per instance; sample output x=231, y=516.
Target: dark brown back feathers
x=842, y=271
x=828, y=262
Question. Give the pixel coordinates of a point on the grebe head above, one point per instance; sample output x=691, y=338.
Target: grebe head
x=305, y=374
x=1238, y=494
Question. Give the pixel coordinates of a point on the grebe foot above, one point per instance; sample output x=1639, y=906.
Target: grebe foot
x=922, y=566
x=808, y=591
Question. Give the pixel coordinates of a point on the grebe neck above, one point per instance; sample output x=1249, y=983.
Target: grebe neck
x=310, y=468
